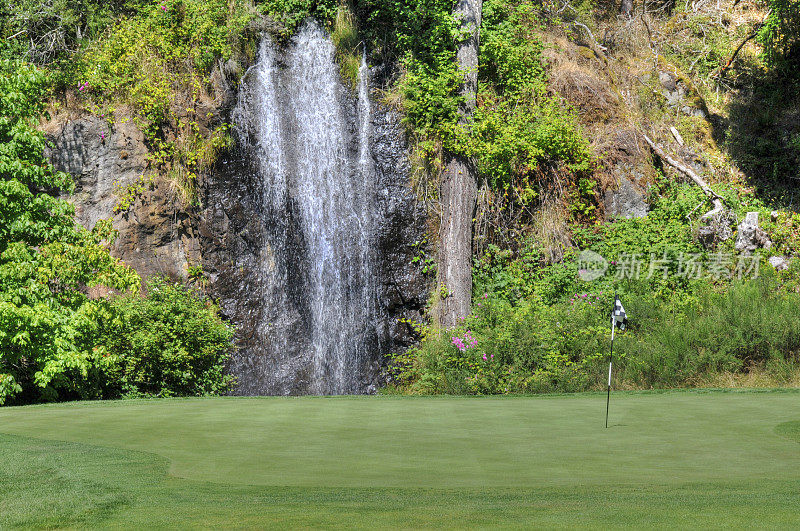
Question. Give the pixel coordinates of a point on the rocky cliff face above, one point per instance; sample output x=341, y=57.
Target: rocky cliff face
x=157, y=235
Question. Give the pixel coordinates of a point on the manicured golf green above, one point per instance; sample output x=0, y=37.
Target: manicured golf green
x=676, y=459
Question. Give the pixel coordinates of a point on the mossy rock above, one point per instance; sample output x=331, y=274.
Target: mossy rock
x=586, y=52
x=693, y=98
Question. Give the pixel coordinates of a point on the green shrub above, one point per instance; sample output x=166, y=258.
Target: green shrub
x=751, y=324
x=289, y=14
x=780, y=35
x=169, y=343
x=145, y=59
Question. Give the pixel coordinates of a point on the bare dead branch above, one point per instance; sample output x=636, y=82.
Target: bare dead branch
x=715, y=198
x=598, y=48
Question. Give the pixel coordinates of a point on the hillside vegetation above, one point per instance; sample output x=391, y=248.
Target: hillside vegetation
x=569, y=95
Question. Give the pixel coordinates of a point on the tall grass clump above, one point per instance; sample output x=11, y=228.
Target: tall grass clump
x=750, y=325
x=345, y=37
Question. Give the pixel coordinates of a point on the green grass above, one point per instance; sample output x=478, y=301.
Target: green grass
x=675, y=459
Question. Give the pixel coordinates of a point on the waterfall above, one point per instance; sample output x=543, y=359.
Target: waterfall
x=308, y=139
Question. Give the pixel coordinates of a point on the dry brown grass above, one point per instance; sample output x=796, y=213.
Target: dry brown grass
x=592, y=97
x=754, y=378
x=550, y=228
x=577, y=75
x=619, y=97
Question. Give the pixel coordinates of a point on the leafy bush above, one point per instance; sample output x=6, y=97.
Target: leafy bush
x=430, y=83
x=667, y=226
x=518, y=125
x=529, y=347
x=169, y=343
x=780, y=35
x=288, y=14
x=153, y=67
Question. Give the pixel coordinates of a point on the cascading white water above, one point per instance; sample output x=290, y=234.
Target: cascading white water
x=309, y=138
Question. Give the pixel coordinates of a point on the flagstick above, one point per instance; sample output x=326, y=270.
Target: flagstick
x=610, y=361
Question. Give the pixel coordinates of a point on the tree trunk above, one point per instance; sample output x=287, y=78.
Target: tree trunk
x=626, y=8
x=459, y=187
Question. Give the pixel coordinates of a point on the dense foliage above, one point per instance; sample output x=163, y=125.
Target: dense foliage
x=169, y=343
x=518, y=124
x=680, y=340
x=57, y=341
x=46, y=261
x=141, y=60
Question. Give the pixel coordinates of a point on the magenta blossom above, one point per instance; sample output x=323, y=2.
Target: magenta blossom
x=464, y=343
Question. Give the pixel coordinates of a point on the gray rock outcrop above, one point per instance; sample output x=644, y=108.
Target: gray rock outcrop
x=627, y=201
x=156, y=235
x=716, y=228
x=681, y=96
x=780, y=263
x=750, y=236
